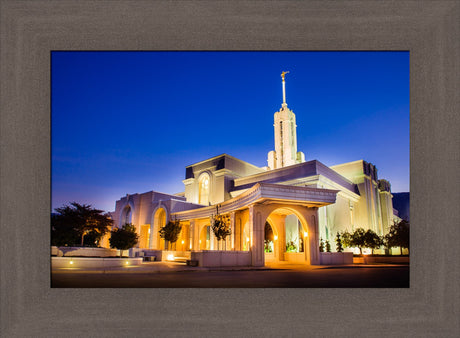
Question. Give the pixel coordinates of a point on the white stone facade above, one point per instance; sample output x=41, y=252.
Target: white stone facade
x=276, y=214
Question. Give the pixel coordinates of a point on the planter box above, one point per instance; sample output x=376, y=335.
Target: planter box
x=70, y=251
x=210, y=258
x=336, y=258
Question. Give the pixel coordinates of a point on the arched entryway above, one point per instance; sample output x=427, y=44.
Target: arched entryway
x=270, y=238
x=159, y=221
x=286, y=233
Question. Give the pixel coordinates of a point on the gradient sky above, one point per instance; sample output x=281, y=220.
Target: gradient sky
x=130, y=122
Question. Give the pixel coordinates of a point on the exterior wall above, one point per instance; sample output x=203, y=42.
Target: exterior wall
x=387, y=210
x=374, y=209
x=335, y=218
x=144, y=209
x=222, y=169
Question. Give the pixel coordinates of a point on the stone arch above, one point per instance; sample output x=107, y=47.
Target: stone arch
x=127, y=208
x=160, y=217
x=204, y=237
x=271, y=213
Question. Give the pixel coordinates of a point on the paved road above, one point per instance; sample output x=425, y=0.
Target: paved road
x=360, y=276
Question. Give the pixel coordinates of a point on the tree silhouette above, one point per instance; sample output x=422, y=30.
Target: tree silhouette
x=328, y=246
x=220, y=225
x=398, y=235
x=356, y=239
x=71, y=223
x=170, y=232
x=372, y=240
x=321, y=245
x=338, y=242
x=124, y=238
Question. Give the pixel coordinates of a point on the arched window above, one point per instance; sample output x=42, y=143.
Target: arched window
x=203, y=189
x=127, y=219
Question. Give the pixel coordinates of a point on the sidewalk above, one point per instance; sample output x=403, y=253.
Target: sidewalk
x=156, y=267
x=167, y=267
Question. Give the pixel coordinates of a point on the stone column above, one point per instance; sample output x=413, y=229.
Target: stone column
x=256, y=231
x=194, y=236
x=232, y=228
x=151, y=238
x=212, y=239
x=313, y=235
x=237, y=234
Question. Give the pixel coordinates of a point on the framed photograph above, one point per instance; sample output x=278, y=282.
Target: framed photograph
x=189, y=158
x=32, y=31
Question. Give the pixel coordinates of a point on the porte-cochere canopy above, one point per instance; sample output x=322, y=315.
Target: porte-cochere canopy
x=266, y=193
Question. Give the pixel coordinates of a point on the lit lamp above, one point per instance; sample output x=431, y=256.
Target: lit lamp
x=305, y=234
x=276, y=238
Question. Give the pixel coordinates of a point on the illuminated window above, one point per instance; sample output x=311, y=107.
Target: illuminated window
x=203, y=189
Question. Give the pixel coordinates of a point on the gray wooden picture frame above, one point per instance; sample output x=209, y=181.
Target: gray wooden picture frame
x=31, y=29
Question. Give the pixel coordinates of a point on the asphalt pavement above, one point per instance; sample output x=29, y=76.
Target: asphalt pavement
x=274, y=275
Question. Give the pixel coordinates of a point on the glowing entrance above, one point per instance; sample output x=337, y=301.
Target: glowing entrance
x=286, y=237
x=269, y=242
x=205, y=235
x=159, y=221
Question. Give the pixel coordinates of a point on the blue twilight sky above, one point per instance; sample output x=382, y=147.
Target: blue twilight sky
x=129, y=122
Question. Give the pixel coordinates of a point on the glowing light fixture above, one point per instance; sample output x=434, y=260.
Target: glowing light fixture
x=247, y=239
x=71, y=262
x=305, y=234
x=183, y=242
x=126, y=262
x=170, y=257
x=276, y=238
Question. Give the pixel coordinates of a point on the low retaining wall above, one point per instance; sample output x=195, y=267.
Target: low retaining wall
x=87, y=262
x=175, y=255
x=70, y=251
x=336, y=258
x=386, y=260
x=207, y=258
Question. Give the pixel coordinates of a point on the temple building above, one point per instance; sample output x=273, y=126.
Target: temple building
x=275, y=213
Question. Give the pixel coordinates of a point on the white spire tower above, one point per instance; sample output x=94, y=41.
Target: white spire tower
x=285, y=152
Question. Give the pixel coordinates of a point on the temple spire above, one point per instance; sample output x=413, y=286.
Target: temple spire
x=284, y=88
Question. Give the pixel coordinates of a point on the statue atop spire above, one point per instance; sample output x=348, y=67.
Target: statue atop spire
x=283, y=74
x=285, y=153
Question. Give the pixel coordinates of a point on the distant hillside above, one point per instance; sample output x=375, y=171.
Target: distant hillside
x=401, y=203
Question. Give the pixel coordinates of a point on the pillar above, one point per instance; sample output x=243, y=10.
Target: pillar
x=151, y=238
x=313, y=235
x=256, y=231
x=232, y=228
